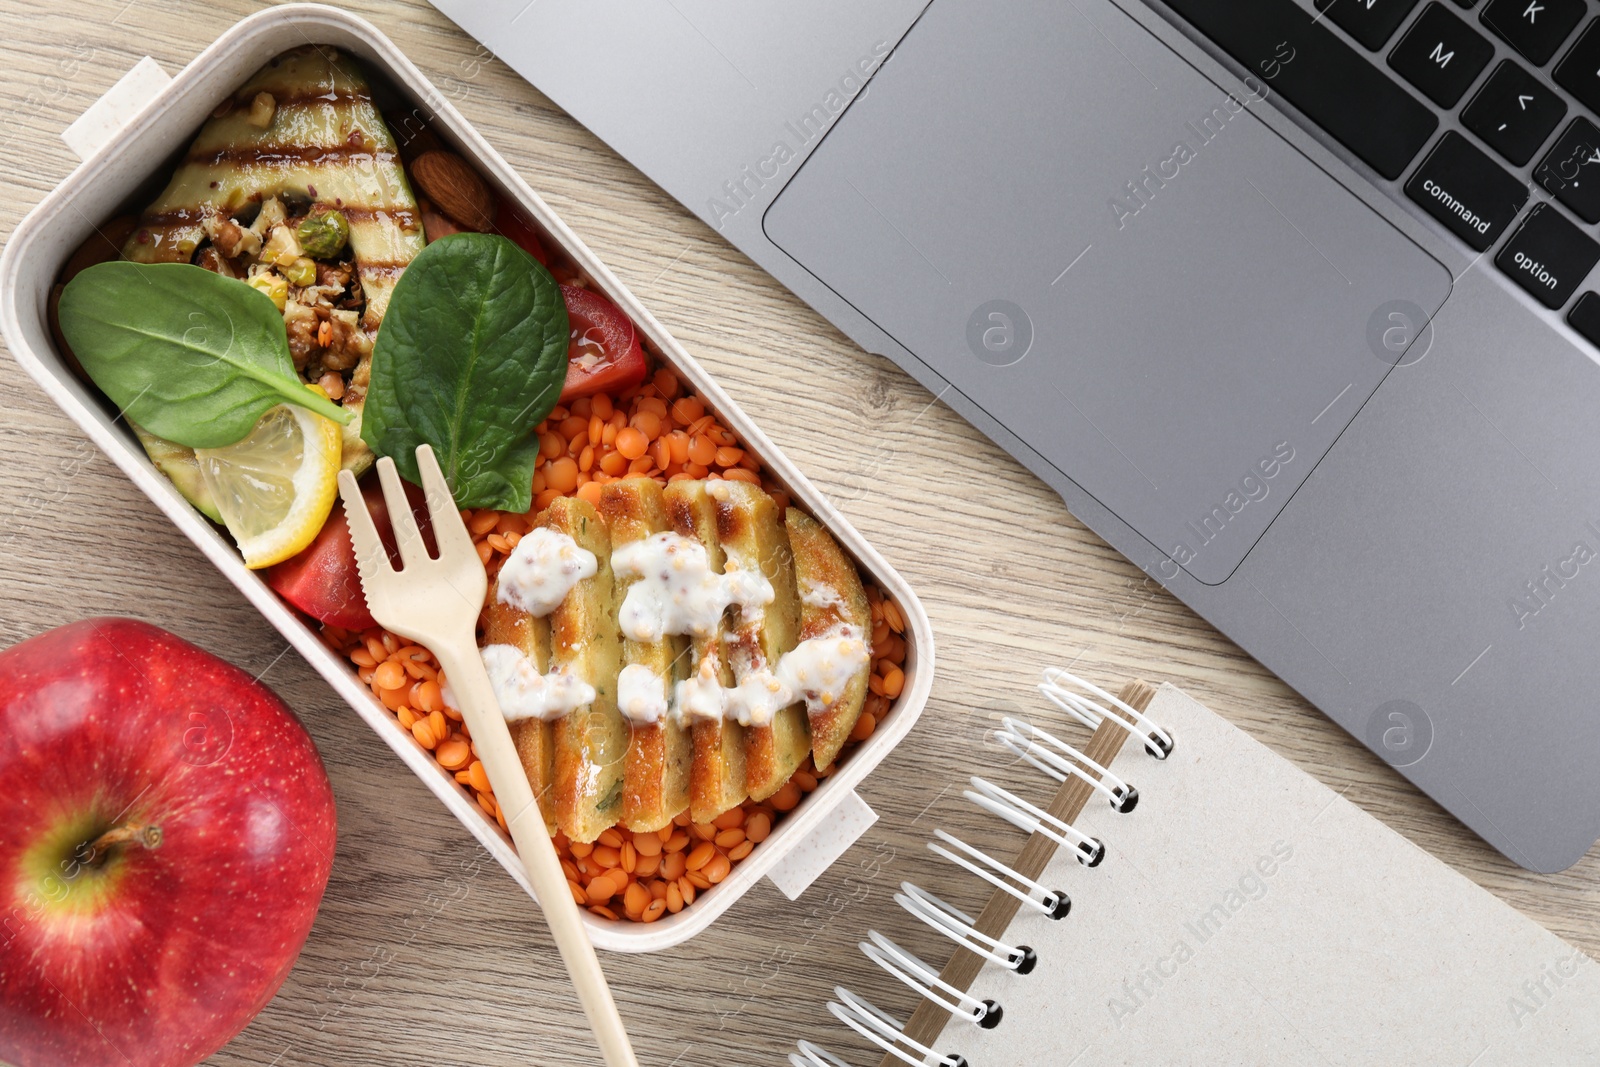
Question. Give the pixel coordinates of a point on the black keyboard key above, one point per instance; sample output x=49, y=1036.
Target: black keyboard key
x=1370, y=22
x=1470, y=193
x=1585, y=317
x=1548, y=256
x=1571, y=169
x=1535, y=28
x=1441, y=55
x=1513, y=112
x=1579, y=72
x=1331, y=83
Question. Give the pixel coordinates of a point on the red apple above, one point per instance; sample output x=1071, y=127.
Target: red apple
x=166, y=833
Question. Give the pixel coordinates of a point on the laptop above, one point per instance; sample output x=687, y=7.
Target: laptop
x=1290, y=302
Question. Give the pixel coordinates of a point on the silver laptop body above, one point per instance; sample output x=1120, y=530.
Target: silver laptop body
x=1239, y=350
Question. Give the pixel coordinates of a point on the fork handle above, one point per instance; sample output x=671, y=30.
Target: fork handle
x=469, y=684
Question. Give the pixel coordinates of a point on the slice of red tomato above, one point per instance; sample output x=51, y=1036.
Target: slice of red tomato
x=604, y=355
x=514, y=225
x=322, y=580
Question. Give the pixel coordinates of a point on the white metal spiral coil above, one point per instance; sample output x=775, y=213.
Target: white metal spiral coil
x=1056, y=689
x=1025, y=816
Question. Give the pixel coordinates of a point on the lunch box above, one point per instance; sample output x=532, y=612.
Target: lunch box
x=135, y=130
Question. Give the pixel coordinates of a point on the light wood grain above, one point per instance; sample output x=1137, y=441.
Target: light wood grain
x=425, y=952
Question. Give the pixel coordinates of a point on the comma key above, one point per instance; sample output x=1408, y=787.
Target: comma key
x=1548, y=256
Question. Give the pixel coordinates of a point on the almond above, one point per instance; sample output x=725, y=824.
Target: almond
x=455, y=189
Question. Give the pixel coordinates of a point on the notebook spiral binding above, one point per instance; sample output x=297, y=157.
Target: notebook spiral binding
x=1061, y=762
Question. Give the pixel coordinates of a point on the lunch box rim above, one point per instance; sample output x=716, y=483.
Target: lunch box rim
x=44, y=238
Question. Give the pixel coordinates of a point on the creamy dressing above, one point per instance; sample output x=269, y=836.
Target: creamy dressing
x=675, y=591
x=524, y=693
x=817, y=670
x=641, y=694
x=542, y=570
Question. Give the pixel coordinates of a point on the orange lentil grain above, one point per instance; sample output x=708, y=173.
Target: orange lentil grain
x=674, y=898
x=645, y=866
x=562, y=475
x=701, y=855
x=647, y=423
x=698, y=880
x=635, y=899
x=739, y=474
x=702, y=450
x=686, y=409
x=716, y=870
x=739, y=852
x=653, y=911
x=757, y=826
x=477, y=777
x=729, y=819
x=423, y=734
x=864, y=726
x=632, y=443
x=647, y=844
x=726, y=839
x=786, y=798
x=589, y=492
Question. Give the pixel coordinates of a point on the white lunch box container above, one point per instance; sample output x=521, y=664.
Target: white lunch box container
x=134, y=130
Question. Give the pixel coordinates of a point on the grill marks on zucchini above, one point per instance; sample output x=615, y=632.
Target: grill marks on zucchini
x=326, y=144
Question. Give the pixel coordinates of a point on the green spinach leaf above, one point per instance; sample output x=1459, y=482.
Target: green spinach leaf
x=187, y=354
x=471, y=357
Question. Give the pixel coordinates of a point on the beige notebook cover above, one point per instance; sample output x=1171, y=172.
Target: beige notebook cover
x=1245, y=914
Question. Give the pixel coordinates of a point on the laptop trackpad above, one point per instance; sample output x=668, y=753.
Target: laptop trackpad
x=1114, y=258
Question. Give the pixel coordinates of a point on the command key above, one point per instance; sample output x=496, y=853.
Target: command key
x=1470, y=193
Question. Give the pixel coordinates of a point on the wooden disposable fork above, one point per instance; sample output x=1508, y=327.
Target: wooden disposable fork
x=435, y=602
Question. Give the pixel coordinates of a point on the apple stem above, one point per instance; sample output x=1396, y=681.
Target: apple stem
x=146, y=834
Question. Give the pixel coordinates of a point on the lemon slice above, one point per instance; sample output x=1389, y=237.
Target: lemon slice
x=274, y=489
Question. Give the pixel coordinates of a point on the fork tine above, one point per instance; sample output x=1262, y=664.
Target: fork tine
x=406, y=535
x=449, y=532
x=372, y=562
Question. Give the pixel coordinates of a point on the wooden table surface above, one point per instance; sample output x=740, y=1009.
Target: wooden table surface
x=425, y=952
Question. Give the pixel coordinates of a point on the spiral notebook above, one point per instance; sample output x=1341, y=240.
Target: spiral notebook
x=1189, y=897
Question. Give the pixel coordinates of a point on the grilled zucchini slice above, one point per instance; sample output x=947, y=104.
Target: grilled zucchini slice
x=591, y=743
x=752, y=535
x=831, y=598
x=717, y=778
x=660, y=754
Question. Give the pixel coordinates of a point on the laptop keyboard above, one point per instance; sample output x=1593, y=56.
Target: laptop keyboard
x=1414, y=62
